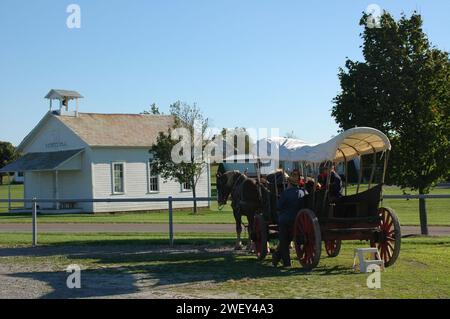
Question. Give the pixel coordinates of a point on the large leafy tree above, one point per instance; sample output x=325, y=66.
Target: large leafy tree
x=188, y=171
x=8, y=154
x=403, y=89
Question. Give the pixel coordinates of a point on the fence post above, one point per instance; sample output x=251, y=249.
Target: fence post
x=423, y=215
x=171, y=221
x=9, y=194
x=34, y=222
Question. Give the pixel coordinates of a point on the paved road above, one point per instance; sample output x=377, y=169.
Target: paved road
x=162, y=228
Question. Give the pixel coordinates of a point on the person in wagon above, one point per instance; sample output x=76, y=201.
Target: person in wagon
x=290, y=202
x=335, y=187
x=301, y=179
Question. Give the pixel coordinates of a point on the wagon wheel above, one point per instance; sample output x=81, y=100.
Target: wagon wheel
x=333, y=247
x=390, y=241
x=307, y=239
x=260, y=237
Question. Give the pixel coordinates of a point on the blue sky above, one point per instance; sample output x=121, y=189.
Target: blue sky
x=251, y=63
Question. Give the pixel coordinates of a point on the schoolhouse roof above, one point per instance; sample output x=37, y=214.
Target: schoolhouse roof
x=110, y=130
x=119, y=130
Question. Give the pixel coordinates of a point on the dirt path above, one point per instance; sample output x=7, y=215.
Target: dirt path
x=163, y=228
x=20, y=278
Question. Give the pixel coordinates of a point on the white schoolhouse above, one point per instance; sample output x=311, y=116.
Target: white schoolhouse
x=72, y=155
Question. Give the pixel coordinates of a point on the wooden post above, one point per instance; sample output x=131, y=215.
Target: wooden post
x=360, y=174
x=383, y=176
x=374, y=165
x=327, y=188
x=346, y=175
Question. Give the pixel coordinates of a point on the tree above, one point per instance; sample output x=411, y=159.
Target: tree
x=154, y=109
x=8, y=154
x=403, y=89
x=190, y=169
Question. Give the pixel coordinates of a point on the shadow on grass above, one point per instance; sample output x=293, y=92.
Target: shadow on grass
x=117, y=270
x=69, y=247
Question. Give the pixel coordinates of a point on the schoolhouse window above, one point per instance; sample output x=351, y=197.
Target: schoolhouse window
x=186, y=187
x=118, y=178
x=153, y=179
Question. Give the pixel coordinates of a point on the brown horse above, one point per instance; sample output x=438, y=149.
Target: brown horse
x=246, y=199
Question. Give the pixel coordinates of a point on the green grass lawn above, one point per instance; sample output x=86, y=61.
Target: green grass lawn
x=420, y=272
x=407, y=210
x=77, y=239
x=16, y=193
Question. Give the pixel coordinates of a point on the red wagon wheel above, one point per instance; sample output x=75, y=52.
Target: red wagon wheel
x=333, y=247
x=260, y=229
x=390, y=241
x=307, y=239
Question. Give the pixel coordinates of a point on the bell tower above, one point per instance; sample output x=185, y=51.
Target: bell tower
x=64, y=97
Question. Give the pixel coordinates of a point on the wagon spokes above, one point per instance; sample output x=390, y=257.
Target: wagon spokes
x=307, y=239
x=333, y=247
x=390, y=240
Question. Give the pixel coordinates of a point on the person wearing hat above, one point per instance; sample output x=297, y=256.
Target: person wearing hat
x=335, y=186
x=289, y=203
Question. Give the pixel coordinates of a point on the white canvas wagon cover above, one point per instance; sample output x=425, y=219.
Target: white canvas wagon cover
x=347, y=145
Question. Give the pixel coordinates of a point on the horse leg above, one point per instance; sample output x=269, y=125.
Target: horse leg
x=250, y=243
x=238, y=219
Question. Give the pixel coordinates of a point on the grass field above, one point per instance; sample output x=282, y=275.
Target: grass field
x=16, y=193
x=420, y=272
x=407, y=210
x=150, y=239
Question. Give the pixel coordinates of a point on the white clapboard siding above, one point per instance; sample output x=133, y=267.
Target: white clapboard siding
x=136, y=181
x=39, y=185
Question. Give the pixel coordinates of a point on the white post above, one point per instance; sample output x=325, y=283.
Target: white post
x=208, y=172
x=34, y=222
x=170, y=221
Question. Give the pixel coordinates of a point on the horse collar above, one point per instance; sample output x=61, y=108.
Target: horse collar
x=237, y=180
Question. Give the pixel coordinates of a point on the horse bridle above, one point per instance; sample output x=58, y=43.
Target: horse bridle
x=231, y=190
